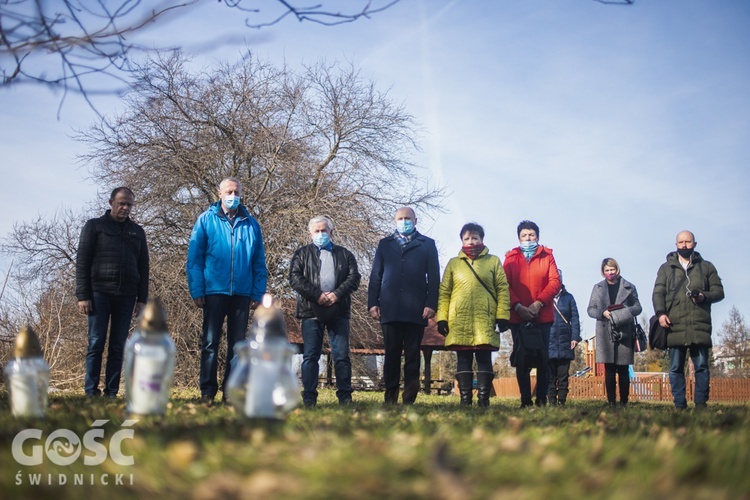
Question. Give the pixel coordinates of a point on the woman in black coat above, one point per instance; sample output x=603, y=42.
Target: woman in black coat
x=564, y=336
x=614, y=305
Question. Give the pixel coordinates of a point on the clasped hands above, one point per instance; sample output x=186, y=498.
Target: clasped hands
x=530, y=313
x=327, y=299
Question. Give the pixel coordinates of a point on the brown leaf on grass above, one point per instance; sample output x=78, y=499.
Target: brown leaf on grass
x=181, y=454
x=449, y=485
x=666, y=441
x=221, y=485
x=515, y=424
x=552, y=462
x=268, y=484
x=597, y=447
x=512, y=444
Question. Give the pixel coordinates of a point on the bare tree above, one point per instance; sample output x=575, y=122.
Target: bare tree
x=90, y=39
x=323, y=140
x=41, y=293
x=734, y=352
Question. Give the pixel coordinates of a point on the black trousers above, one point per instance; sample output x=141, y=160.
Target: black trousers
x=398, y=337
x=465, y=360
x=558, y=379
x=621, y=371
x=526, y=360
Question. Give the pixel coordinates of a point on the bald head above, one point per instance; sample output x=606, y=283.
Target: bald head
x=685, y=244
x=682, y=235
x=406, y=220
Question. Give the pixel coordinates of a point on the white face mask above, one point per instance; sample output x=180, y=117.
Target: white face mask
x=231, y=201
x=405, y=226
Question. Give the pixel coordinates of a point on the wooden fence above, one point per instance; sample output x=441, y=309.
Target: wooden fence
x=651, y=388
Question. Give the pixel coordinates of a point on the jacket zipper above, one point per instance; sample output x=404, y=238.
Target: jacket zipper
x=231, y=256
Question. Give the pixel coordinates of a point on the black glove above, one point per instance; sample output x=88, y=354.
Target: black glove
x=443, y=328
x=502, y=324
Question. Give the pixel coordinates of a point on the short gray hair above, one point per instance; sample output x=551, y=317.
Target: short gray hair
x=320, y=218
x=230, y=179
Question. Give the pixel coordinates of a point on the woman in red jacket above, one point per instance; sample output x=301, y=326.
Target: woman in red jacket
x=533, y=281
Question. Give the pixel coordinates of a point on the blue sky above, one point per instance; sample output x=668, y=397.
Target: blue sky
x=612, y=127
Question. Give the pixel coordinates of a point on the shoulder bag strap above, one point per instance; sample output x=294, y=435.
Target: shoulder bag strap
x=489, y=290
x=560, y=313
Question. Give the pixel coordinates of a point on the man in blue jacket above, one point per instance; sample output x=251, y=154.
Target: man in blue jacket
x=226, y=272
x=403, y=295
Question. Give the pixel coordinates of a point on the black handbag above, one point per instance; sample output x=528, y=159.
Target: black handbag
x=532, y=337
x=529, y=345
x=640, y=343
x=657, y=334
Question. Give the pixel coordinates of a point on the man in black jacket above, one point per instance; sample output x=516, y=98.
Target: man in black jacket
x=111, y=284
x=324, y=276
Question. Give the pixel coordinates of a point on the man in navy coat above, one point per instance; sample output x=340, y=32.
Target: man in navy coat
x=402, y=295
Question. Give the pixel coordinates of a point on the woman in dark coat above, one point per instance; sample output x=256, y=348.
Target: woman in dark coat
x=614, y=305
x=564, y=336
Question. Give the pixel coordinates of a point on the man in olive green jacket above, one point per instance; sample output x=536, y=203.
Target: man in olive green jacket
x=686, y=286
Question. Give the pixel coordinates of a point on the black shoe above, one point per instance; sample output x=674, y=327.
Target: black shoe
x=701, y=406
x=309, y=404
x=111, y=396
x=345, y=402
x=391, y=396
x=207, y=399
x=527, y=404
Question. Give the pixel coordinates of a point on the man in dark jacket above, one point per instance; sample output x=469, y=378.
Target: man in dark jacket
x=403, y=294
x=324, y=276
x=111, y=284
x=564, y=336
x=686, y=286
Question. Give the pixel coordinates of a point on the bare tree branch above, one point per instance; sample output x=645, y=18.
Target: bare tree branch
x=91, y=41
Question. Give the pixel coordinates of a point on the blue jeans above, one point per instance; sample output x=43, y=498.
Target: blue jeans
x=312, y=336
x=116, y=313
x=699, y=355
x=236, y=310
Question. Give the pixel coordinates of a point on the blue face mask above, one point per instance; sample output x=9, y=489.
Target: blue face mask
x=321, y=239
x=405, y=226
x=231, y=201
x=529, y=248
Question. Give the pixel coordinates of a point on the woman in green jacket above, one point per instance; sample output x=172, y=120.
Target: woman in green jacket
x=473, y=301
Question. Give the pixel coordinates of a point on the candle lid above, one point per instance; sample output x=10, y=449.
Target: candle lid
x=154, y=317
x=268, y=320
x=27, y=344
